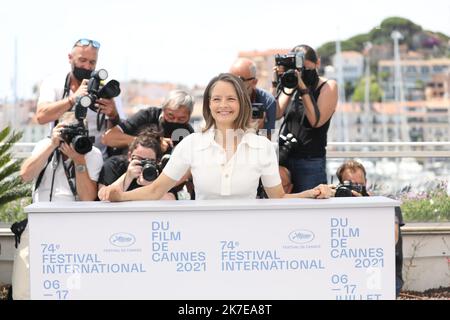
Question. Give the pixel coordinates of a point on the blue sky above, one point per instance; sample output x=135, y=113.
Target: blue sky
x=183, y=41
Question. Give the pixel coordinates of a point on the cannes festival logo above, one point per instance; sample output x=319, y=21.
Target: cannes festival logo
x=122, y=239
x=301, y=236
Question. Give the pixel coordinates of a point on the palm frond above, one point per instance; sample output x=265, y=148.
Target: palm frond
x=16, y=136
x=10, y=170
x=9, y=185
x=4, y=133
x=14, y=195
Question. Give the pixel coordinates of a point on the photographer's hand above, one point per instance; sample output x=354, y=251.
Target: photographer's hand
x=301, y=84
x=32, y=166
x=108, y=107
x=81, y=91
x=56, y=136
x=70, y=152
x=166, y=143
x=134, y=171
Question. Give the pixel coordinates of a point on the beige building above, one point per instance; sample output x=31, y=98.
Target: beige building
x=416, y=75
x=265, y=61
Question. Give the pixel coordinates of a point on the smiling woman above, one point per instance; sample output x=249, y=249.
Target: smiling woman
x=227, y=159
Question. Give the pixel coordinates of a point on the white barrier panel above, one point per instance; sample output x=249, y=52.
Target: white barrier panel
x=340, y=248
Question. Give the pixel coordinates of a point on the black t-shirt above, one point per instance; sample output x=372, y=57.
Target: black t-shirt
x=145, y=118
x=113, y=168
x=149, y=118
x=311, y=141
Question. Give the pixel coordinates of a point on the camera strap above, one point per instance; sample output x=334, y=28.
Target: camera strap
x=101, y=120
x=66, y=86
x=65, y=93
x=54, y=166
x=70, y=175
x=69, y=172
x=41, y=174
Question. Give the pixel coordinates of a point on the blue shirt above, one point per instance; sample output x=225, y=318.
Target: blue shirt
x=270, y=105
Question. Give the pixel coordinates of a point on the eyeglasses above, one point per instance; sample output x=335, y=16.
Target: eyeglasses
x=246, y=79
x=86, y=42
x=136, y=157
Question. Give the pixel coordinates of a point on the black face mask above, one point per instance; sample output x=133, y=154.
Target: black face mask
x=310, y=78
x=80, y=74
x=176, y=131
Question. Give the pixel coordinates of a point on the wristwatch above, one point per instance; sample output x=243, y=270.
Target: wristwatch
x=80, y=168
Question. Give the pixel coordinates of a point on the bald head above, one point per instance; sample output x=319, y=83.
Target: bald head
x=245, y=69
x=244, y=66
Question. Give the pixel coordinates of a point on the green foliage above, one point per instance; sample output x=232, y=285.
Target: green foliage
x=11, y=185
x=14, y=210
x=326, y=51
x=375, y=92
x=427, y=206
x=414, y=36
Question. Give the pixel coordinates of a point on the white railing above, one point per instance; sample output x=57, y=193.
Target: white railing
x=388, y=150
x=343, y=149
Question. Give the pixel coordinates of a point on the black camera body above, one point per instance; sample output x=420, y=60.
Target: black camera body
x=108, y=91
x=151, y=169
x=78, y=136
x=258, y=110
x=288, y=61
x=345, y=189
x=291, y=62
x=286, y=144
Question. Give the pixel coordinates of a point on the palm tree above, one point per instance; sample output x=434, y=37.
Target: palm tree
x=11, y=185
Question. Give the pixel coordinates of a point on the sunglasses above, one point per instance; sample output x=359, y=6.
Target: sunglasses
x=86, y=42
x=246, y=79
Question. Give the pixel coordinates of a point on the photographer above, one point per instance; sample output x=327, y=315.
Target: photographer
x=227, y=159
x=307, y=103
x=140, y=168
x=59, y=93
x=61, y=174
x=172, y=119
x=263, y=103
x=352, y=178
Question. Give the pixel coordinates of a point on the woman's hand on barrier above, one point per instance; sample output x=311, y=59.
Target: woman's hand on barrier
x=324, y=191
x=111, y=193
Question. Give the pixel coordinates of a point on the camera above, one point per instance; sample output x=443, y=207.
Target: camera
x=257, y=110
x=345, y=189
x=78, y=136
x=291, y=62
x=286, y=144
x=151, y=169
x=108, y=91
